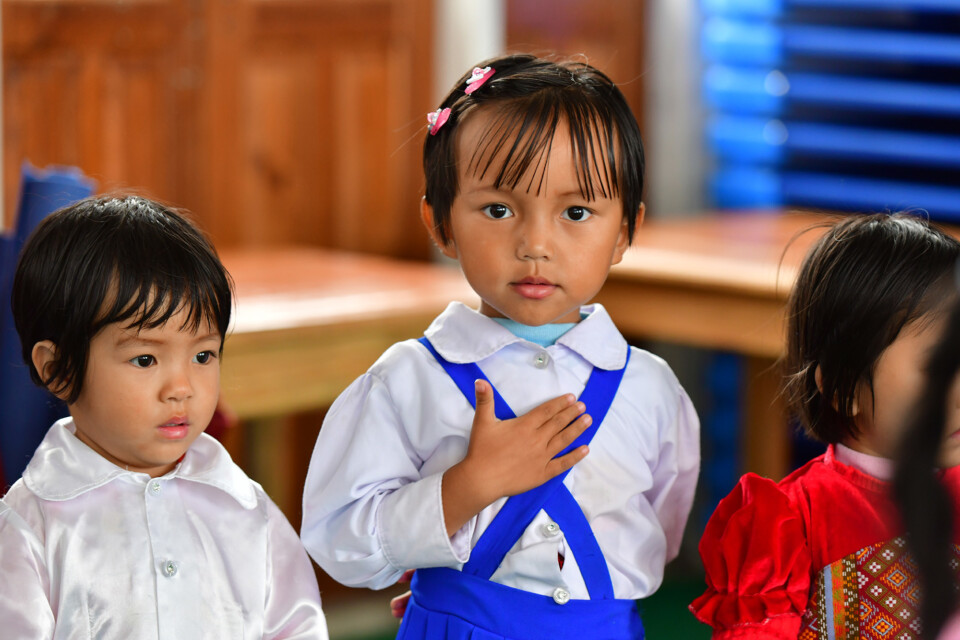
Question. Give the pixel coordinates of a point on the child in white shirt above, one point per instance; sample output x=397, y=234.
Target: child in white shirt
x=534, y=176
x=129, y=521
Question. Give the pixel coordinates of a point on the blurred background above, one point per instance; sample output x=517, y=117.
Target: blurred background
x=283, y=123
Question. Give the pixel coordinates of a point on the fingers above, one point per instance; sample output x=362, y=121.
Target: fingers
x=398, y=605
x=565, y=404
x=566, y=436
x=561, y=419
x=559, y=465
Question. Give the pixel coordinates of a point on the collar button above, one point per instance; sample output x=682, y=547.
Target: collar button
x=541, y=360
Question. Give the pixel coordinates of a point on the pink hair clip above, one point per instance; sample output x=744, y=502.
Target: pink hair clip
x=478, y=77
x=437, y=119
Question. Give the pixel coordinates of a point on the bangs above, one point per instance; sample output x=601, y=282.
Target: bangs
x=932, y=302
x=152, y=277
x=139, y=305
x=520, y=140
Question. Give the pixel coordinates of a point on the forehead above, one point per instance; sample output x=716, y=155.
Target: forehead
x=503, y=150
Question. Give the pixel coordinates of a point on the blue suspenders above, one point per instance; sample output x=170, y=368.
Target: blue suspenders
x=552, y=496
x=467, y=605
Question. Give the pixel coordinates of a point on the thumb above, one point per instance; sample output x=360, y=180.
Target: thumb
x=484, y=398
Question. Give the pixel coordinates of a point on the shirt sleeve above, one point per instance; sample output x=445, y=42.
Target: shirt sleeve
x=24, y=589
x=757, y=565
x=676, y=472
x=292, y=609
x=369, y=512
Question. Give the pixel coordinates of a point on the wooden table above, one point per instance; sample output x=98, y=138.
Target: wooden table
x=309, y=321
x=721, y=282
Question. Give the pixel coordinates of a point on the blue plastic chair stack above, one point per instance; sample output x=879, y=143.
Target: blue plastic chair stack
x=850, y=105
x=28, y=410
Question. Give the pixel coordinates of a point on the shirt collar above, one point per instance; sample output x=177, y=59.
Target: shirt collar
x=63, y=468
x=461, y=334
x=874, y=466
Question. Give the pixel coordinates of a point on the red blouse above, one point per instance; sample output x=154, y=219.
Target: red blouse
x=819, y=548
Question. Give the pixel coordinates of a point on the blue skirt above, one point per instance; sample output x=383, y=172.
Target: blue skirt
x=450, y=605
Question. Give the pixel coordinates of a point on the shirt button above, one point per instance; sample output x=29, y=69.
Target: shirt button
x=169, y=568
x=155, y=487
x=561, y=595
x=541, y=360
x=550, y=530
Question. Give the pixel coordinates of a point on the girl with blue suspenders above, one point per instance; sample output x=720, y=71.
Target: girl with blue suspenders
x=534, y=174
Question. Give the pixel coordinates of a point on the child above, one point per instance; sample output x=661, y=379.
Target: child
x=534, y=176
x=129, y=521
x=930, y=512
x=821, y=554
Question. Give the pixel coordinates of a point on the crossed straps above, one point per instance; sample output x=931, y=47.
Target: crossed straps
x=552, y=496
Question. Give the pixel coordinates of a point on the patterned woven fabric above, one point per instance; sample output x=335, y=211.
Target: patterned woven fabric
x=872, y=594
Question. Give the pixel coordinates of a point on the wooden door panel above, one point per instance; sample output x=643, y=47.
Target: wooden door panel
x=278, y=130
x=53, y=89
x=93, y=85
x=273, y=121
x=133, y=138
x=323, y=98
x=606, y=33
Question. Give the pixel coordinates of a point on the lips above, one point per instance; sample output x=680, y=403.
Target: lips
x=534, y=288
x=175, y=429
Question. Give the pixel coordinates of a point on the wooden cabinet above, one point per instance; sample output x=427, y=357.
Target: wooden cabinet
x=273, y=121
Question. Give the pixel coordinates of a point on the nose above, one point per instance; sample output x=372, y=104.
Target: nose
x=178, y=385
x=534, y=242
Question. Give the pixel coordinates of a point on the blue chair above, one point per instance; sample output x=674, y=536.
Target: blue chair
x=28, y=410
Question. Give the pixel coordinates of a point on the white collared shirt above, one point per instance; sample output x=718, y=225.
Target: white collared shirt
x=372, y=505
x=89, y=550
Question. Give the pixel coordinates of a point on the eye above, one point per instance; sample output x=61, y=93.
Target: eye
x=204, y=357
x=143, y=362
x=497, y=211
x=576, y=214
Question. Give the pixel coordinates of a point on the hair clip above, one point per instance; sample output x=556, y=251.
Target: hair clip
x=437, y=119
x=478, y=77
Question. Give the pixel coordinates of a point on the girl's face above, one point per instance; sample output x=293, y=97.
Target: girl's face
x=148, y=394
x=898, y=379
x=534, y=257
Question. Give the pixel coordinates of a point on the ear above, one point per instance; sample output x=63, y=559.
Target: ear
x=641, y=212
x=854, y=408
x=44, y=355
x=449, y=248
x=623, y=238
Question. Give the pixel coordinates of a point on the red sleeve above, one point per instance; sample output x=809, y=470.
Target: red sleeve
x=757, y=565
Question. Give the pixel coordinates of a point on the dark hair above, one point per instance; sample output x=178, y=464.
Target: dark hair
x=860, y=284
x=923, y=500
x=528, y=97
x=105, y=260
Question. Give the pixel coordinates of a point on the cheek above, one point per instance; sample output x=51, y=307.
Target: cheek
x=897, y=392
x=950, y=455
x=211, y=386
